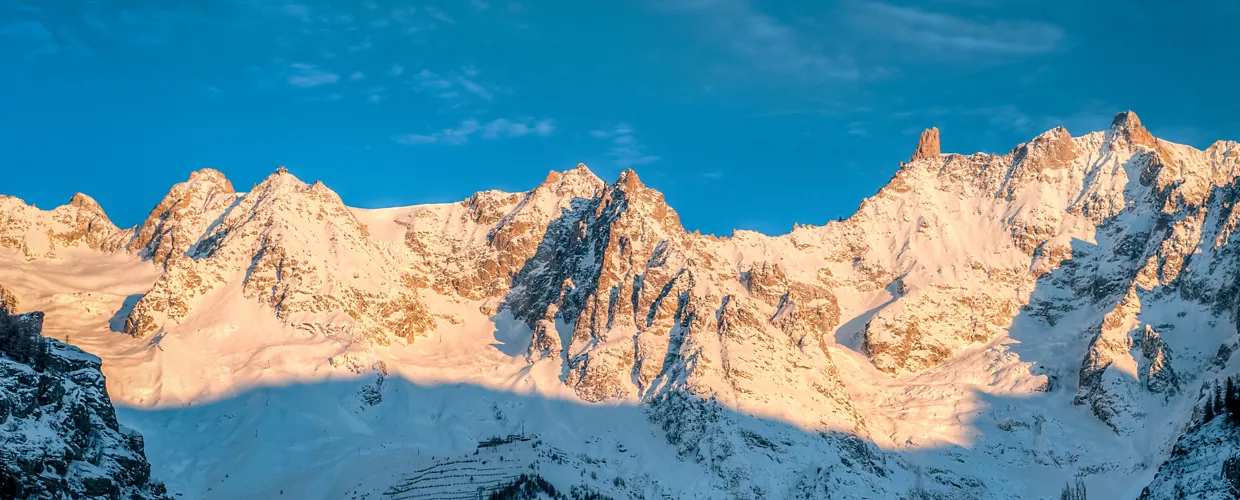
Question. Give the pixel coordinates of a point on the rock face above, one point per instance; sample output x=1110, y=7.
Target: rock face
x=655, y=309
x=474, y=248
x=61, y=437
x=8, y=301
x=927, y=145
x=1204, y=463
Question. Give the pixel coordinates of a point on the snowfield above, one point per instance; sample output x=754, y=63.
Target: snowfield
x=986, y=326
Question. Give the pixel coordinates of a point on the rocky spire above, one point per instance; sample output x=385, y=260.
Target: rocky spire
x=927, y=145
x=629, y=181
x=1128, y=126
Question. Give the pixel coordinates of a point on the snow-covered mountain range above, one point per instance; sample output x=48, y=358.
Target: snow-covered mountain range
x=985, y=326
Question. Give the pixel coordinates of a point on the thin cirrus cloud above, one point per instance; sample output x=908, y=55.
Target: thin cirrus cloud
x=625, y=150
x=309, y=75
x=951, y=35
x=763, y=42
x=500, y=128
x=759, y=43
x=475, y=88
x=446, y=87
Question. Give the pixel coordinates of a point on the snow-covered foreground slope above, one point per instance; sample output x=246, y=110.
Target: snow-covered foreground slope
x=986, y=326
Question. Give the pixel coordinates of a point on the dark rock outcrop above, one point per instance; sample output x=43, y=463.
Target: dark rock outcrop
x=61, y=438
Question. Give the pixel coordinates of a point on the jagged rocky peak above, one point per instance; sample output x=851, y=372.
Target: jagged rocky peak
x=644, y=201
x=1127, y=126
x=40, y=233
x=578, y=182
x=1045, y=159
x=581, y=174
x=652, y=309
x=296, y=248
x=1036, y=200
x=475, y=247
x=82, y=201
x=86, y=219
x=61, y=436
x=280, y=177
x=629, y=180
x=182, y=216
x=927, y=145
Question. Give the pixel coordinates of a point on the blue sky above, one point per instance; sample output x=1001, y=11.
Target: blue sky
x=745, y=113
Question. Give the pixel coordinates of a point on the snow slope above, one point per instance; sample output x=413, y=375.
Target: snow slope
x=986, y=326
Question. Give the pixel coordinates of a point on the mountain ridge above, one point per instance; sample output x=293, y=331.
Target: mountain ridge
x=1092, y=276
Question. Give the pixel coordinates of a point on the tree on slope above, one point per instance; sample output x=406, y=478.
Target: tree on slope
x=1208, y=412
x=1231, y=400
x=1219, y=408
x=1073, y=491
x=1231, y=473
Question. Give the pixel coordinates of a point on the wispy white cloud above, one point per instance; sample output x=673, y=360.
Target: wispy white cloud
x=475, y=88
x=310, y=75
x=939, y=33
x=357, y=75
x=763, y=42
x=505, y=129
x=501, y=128
x=326, y=19
x=396, y=70
x=438, y=15
x=452, y=86
x=427, y=79
x=625, y=150
x=376, y=94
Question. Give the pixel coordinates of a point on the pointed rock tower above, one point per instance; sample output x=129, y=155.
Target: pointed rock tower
x=1128, y=126
x=927, y=145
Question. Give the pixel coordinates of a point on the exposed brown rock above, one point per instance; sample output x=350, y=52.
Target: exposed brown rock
x=927, y=145
x=1128, y=126
x=8, y=302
